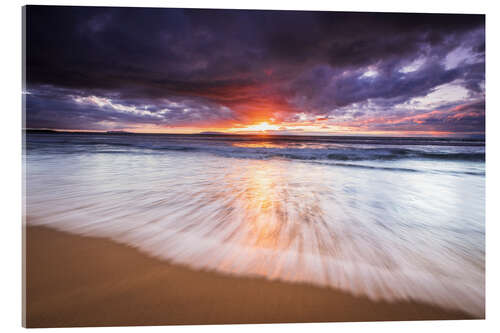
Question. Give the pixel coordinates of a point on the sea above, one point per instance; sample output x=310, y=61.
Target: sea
x=388, y=218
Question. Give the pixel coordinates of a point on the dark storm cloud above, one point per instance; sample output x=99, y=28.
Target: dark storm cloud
x=467, y=118
x=63, y=109
x=324, y=89
x=226, y=65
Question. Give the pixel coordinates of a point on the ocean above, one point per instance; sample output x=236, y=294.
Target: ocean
x=384, y=218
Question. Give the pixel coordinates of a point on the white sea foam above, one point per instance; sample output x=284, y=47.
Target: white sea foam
x=387, y=235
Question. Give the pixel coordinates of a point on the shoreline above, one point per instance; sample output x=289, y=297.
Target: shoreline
x=74, y=280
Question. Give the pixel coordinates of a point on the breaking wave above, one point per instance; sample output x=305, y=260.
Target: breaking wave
x=300, y=150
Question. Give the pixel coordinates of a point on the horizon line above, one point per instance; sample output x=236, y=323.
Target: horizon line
x=445, y=135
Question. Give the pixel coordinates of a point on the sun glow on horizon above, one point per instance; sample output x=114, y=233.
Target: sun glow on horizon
x=260, y=127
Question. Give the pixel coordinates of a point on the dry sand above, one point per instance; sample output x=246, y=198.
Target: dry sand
x=81, y=281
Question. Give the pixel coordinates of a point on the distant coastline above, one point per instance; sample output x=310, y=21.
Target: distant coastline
x=471, y=137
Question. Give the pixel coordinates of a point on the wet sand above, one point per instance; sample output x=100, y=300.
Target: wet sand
x=83, y=281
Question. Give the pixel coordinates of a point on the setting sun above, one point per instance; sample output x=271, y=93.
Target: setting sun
x=260, y=127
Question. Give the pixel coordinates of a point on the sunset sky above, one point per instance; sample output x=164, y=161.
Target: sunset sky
x=237, y=71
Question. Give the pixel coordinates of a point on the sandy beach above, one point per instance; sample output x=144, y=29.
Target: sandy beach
x=83, y=281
